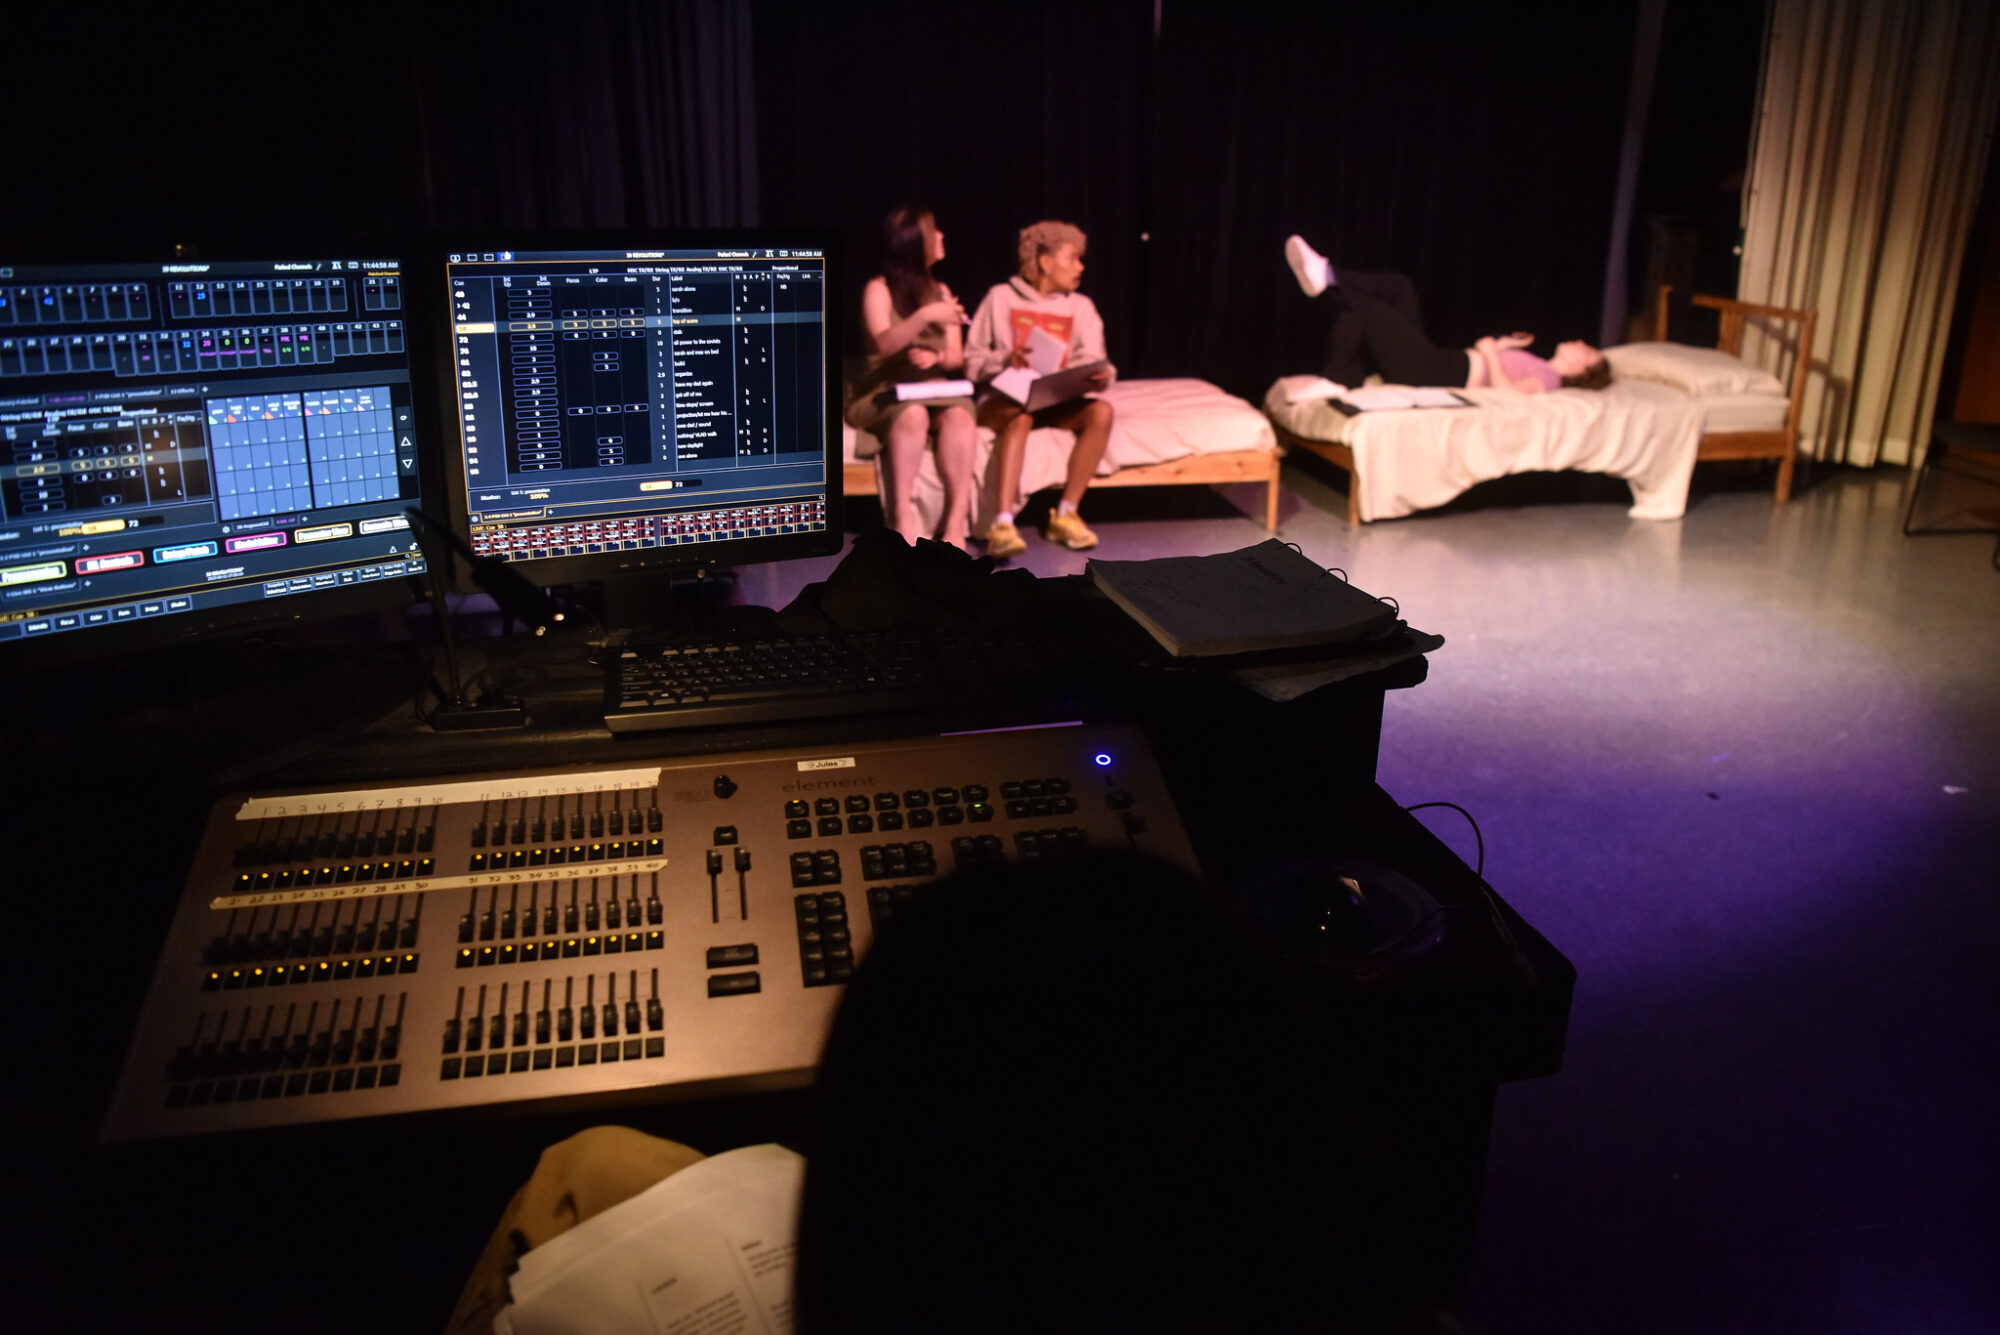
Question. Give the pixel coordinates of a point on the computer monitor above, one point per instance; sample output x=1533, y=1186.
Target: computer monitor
x=657, y=402
x=199, y=445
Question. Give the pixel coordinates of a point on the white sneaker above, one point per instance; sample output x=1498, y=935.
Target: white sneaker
x=1308, y=266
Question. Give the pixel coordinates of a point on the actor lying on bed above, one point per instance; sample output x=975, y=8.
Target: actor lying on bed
x=1377, y=327
x=916, y=331
x=1043, y=296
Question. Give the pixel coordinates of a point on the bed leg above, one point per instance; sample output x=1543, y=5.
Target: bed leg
x=1784, y=490
x=1271, y=500
x=1353, y=499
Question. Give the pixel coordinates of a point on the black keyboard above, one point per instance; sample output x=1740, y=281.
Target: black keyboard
x=775, y=679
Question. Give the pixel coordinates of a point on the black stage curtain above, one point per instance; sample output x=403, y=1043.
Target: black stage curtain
x=588, y=114
x=234, y=125
x=992, y=116
x=1478, y=154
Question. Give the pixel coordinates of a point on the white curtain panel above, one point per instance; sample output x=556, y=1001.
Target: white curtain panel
x=1872, y=135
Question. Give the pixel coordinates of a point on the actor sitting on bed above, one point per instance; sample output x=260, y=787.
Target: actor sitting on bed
x=1377, y=327
x=1043, y=296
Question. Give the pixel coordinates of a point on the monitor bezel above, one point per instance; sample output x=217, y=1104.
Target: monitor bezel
x=251, y=617
x=554, y=572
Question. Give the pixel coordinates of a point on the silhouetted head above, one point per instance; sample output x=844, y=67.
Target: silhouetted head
x=1080, y=1094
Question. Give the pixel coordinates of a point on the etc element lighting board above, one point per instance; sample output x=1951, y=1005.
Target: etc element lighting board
x=646, y=931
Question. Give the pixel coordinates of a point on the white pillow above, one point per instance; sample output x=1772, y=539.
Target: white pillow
x=1697, y=371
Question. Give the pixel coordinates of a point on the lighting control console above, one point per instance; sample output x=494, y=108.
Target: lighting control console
x=682, y=927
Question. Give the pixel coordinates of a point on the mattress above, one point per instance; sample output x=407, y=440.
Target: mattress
x=1408, y=461
x=1743, y=412
x=1153, y=421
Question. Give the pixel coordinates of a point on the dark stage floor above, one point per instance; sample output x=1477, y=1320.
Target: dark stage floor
x=1743, y=769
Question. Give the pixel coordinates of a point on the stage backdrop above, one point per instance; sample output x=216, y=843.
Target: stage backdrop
x=1478, y=154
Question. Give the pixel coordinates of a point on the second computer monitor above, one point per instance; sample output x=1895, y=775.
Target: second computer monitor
x=628, y=405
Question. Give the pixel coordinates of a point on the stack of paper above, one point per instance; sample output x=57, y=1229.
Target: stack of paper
x=1378, y=398
x=711, y=1248
x=908, y=391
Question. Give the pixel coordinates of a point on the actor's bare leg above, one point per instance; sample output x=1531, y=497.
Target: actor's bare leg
x=903, y=447
x=1003, y=474
x=954, y=456
x=1092, y=424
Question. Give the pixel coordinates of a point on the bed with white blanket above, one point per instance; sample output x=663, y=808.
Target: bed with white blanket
x=1668, y=407
x=1163, y=433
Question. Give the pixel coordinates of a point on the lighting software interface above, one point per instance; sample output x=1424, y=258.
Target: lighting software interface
x=616, y=401
x=176, y=438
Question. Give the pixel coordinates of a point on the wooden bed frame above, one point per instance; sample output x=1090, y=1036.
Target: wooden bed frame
x=1213, y=470
x=1781, y=444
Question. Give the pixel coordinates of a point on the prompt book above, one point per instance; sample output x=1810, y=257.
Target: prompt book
x=1260, y=598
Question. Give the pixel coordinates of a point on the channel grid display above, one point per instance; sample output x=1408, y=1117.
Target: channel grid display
x=193, y=445
x=277, y=453
x=624, y=402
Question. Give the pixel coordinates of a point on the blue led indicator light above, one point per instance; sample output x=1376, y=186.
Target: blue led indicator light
x=1103, y=759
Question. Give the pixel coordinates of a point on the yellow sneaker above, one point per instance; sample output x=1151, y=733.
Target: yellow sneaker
x=1004, y=540
x=1069, y=530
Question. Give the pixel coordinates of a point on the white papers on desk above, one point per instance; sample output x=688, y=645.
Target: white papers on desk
x=711, y=1248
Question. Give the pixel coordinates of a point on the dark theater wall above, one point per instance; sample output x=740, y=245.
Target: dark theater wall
x=1478, y=154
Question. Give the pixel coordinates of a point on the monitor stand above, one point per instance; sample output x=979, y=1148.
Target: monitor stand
x=654, y=604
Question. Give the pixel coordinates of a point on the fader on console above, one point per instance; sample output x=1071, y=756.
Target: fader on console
x=669, y=928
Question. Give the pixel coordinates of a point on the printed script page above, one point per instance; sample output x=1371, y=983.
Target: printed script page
x=711, y=1250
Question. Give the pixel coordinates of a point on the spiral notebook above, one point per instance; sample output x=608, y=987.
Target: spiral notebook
x=1265, y=597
